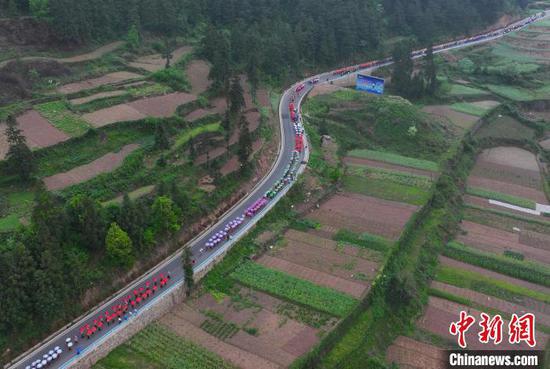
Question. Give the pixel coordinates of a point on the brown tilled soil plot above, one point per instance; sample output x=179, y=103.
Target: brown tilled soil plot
x=107, y=79
x=491, y=302
x=486, y=104
x=459, y=119
x=105, y=164
x=508, y=188
x=197, y=114
x=411, y=354
x=345, y=262
x=249, y=104
x=504, y=173
x=350, y=160
x=212, y=154
x=497, y=241
x=510, y=156
x=101, y=95
x=37, y=130
x=262, y=97
x=545, y=144
x=156, y=62
x=117, y=113
x=4, y=145
x=441, y=313
x=313, y=275
x=360, y=213
x=445, y=261
x=157, y=106
x=230, y=166
x=197, y=73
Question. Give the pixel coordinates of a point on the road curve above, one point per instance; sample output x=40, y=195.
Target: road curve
x=172, y=265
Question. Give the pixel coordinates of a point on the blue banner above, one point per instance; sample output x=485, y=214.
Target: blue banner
x=370, y=84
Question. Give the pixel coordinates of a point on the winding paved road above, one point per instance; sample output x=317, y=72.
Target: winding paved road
x=172, y=265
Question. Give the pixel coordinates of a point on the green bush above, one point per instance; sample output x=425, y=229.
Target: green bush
x=175, y=78
x=364, y=240
x=514, y=255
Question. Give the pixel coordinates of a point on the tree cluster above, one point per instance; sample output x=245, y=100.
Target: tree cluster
x=71, y=246
x=410, y=83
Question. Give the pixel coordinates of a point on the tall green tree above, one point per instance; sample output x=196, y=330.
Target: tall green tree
x=118, y=246
x=236, y=97
x=86, y=220
x=164, y=216
x=162, y=140
x=430, y=72
x=402, y=68
x=244, y=145
x=131, y=218
x=187, y=261
x=133, y=39
x=20, y=158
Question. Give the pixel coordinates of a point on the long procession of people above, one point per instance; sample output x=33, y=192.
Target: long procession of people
x=128, y=306
x=422, y=52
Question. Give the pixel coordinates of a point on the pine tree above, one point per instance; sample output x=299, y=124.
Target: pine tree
x=431, y=72
x=20, y=158
x=236, y=97
x=244, y=145
x=162, y=140
x=402, y=69
x=187, y=261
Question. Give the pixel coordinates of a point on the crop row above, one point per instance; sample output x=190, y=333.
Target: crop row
x=525, y=270
x=219, y=328
x=294, y=289
x=170, y=351
x=395, y=159
x=364, y=240
x=510, y=199
x=406, y=179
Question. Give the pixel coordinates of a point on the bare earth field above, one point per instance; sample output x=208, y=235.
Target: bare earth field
x=441, y=313
x=230, y=166
x=545, y=144
x=508, y=188
x=197, y=73
x=197, y=114
x=105, y=164
x=510, y=156
x=459, y=119
x=36, y=129
x=504, y=173
x=411, y=354
x=360, y=213
x=157, y=106
x=262, y=97
x=497, y=241
x=349, y=160
x=486, y=104
x=156, y=62
x=490, y=302
x=107, y=79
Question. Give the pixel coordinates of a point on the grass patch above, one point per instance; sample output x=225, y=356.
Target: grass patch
x=512, y=93
x=526, y=270
x=504, y=220
x=386, y=190
x=57, y=113
x=365, y=240
x=461, y=90
x=294, y=289
x=510, y=199
x=156, y=347
x=471, y=109
x=134, y=195
x=184, y=138
x=9, y=223
x=402, y=178
x=220, y=329
x=307, y=316
x=487, y=285
x=395, y=159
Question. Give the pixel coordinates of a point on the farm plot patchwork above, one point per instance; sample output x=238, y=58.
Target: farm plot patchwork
x=458, y=115
x=110, y=78
x=360, y=213
x=105, y=164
